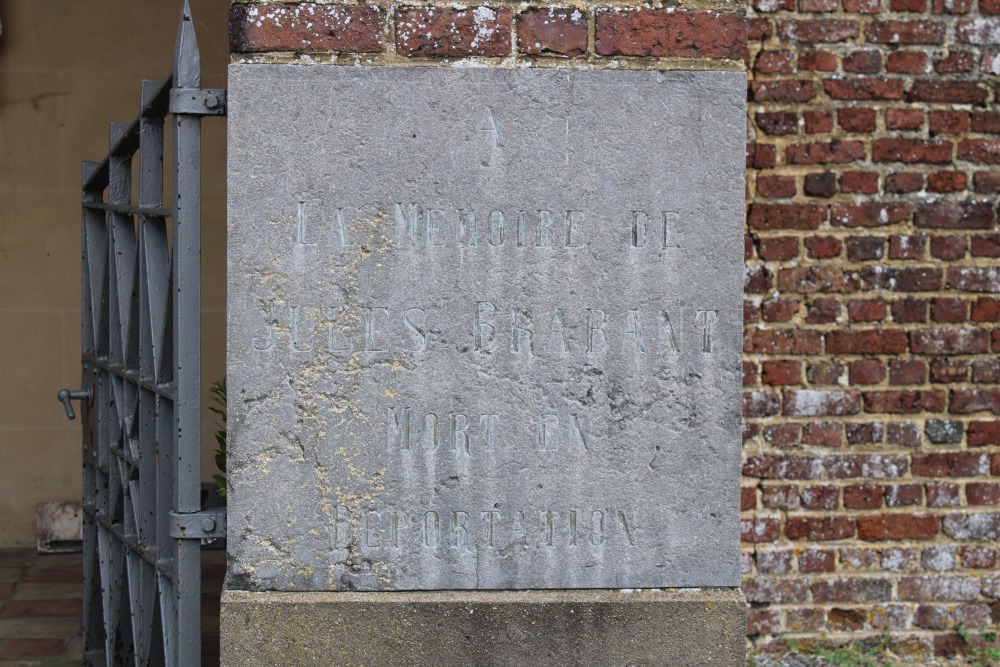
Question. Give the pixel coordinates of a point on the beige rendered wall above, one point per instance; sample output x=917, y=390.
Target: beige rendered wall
x=67, y=69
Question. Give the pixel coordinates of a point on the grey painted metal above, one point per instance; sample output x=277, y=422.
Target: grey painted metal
x=141, y=383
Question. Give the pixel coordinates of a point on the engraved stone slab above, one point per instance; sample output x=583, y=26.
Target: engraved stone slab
x=484, y=328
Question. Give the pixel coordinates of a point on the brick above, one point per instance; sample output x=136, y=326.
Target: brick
x=904, y=495
x=903, y=183
x=954, y=215
x=759, y=29
x=910, y=151
x=772, y=217
x=783, y=467
x=820, y=497
x=866, y=371
x=775, y=62
x=947, y=181
x=756, y=279
x=820, y=403
x=856, y=120
x=749, y=373
x=949, y=341
x=948, y=122
x=863, y=62
x=870, y=214
x=902, y=280
x=782, y=342
x=437, y=32
x=978, y=557
x=817, y=560
x=972, y=526
x=864, y=249
x=805, y=620
x=908, y=5
x=949, y=371
x=761, y=156
x=808, y=280
x=778, y=123
x=948, y=248
x=907, y=371
x=824, y=372
x=989, y=6
x=823, y=247
x=864, y=89
x=905, y=32
x=967, y=401
x=823, y=434
x=862, y=6
x=910, y=246
x=862, y=497
x=951, y=6
x=898, y=527
x=904, y=119
x=817, y=122
x=874, y=341
x=850, y=589
x=820, y=185
x=944, y=431
x=986, y=372
x=818, y=61
x=903, y=402
x=905, y=311
x=834, y=152
x=771, y=186
x=956, y=62
x=774, y=372
x=819, y=529
x=780, y=497
x=979, y=150
x=674, y=33
x=756, y=531
x=980, y=31
x=979, y=493
x=985, y=310
x=985, y=121
x=895, y=559
x=864, y=433
x=818, y=6
x=975, y=279
x=950, y=464
x=986, y=246
x=949, y=309
x=774, y=561
x=305, y=27
x=907, y=62
x=748, y=498
x=956, y=92
x=823, y=311
x=560, y=32
x=902, y=433
x=776, y=591
x=779, y=248
x=942, y=494
x=982, y=433
x=875, y=466
x=934, y=588
x=763, y=621
x=811, y=31
x=859, y=182
x=760, y=403
x=865, y=310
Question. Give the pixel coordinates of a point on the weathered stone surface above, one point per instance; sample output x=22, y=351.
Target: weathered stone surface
x=497, y=628
x=484, y=328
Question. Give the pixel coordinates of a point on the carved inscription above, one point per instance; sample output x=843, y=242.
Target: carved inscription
x=469, y=530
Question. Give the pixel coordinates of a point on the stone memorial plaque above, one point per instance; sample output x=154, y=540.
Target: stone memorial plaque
x=484, y=328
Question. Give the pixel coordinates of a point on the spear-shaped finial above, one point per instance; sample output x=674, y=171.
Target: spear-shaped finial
x=187, y=58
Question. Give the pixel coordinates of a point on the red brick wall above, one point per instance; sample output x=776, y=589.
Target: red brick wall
x=872, y=469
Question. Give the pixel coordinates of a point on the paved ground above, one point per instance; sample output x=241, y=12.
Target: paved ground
x=41, y=605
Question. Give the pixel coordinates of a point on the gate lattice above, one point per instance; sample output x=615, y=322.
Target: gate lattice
x=143, y=520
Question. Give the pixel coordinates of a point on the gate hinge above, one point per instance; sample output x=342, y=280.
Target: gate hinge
x=210, y=523
x=198, y=101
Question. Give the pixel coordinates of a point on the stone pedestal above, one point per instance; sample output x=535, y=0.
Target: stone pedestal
x=578, y=628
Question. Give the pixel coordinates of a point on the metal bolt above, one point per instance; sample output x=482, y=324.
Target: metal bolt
x=212, y=102
x=208, y=525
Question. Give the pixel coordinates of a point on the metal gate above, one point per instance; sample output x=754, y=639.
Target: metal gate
x=141, y=320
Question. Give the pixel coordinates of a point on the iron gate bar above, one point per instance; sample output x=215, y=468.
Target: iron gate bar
x=141, y=321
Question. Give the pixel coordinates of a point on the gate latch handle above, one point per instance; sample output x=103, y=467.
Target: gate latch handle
x=67, y=397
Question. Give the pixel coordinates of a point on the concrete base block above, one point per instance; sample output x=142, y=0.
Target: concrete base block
x=605, y=628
